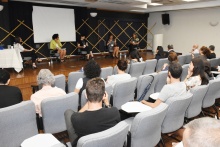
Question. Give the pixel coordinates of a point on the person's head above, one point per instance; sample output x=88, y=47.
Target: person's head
x=18, y=39
x=134, y=35
x=212, y=48
x=134, y=55
x=195, y=46
x=202, y=132
x=92, y=69
x=82, y=36
x=170, y=46
x=95, y=90
x=175, y=70
x=204, y=51
x=122, y=65
x=55, y=36
x=111, y=36
x=45, y=77
x=172, y=57
x=160, y=51
x=4, y=77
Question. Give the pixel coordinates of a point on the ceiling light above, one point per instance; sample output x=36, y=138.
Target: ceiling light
x=190, y=0
x=144, y=6
x=138, y=11
x=155, y=4
x=93, y=14
x=1, y=7
x=144, y=1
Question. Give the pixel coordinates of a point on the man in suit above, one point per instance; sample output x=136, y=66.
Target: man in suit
x=170, y=49
x=9, y=95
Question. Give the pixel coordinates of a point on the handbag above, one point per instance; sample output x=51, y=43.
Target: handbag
x=146, y=89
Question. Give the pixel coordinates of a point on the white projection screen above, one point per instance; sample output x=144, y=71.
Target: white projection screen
x=48, y=21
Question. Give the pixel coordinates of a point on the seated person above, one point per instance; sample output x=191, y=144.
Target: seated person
x=159, y=53
x=212, y=50
x=112, y=46
x=204, y=52
x=134, y=57
x=196, y=74
x=93, y=118
x=171, y=58
x=195, y=49
x=173, y=88
x=46, y=78
x=9, y=95
x=56, y=46
x=202, y=132
x=84, y=46
x=26, y=52
x=170, y=49
x=121, y=76
x=134, y=46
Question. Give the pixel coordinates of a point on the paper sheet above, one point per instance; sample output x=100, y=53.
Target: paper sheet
x=154, y=96
x=134, y=107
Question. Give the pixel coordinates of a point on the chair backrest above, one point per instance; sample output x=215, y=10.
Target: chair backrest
x=124, y=92
x=113, y=137
x=137, y=69
x=142, y=83
x=195, y=106
x=53, y=111
x=182, y=59
x=188, y=58
x=184, y=72
x=60, y=81
x=214, y=62
x=212, y=93
x=162, y=80
x=174, y=118
x=196, y=55
x=146, y=127
x=150, y=66
x=106, y=71
x=18, y=122
x=72, y=80
x=115, y=70
x=160, y=64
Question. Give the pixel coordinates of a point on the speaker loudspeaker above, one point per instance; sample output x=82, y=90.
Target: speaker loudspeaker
x=165, y=19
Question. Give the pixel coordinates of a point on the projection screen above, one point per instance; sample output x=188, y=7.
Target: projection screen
x=48, y=21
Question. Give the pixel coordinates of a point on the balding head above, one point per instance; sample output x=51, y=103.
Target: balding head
x=195, y=46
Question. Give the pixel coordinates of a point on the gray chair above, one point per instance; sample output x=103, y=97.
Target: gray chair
x=60, y=81
x=160, y=64
x=150, y=66
x=184, y=72
x=137, y=69
x=174, y=118
x=213, y=93
x=18, y=122
x=106, y=71
x=162, y=80
x=196, y=55
x=113, y=137
x=123, y=92
x=146, y=127
x=188, y=58
x=73, y=77
x=195, y=106
x=143, y=82
x=182, y=59
x=214, y=62
x=115, y=70
x=53, y=111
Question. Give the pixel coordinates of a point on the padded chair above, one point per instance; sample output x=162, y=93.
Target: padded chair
x=53, y=111
x=174, y=118
x=113, y=137
x=106, y=71
x=73, y=77
x=195, y=106
x=214, y=62
x=115, y=70
x=196, y=55
x=213, y=93
x=160, y=64
x=145, y=127
x=60, y=81
x=188, y=58
x=18, y=122
x=143, y=82
x=184, y=72
x=123, y=92
x=182, y=59
x=150, y=66
x=137, y=69
x=162, y=80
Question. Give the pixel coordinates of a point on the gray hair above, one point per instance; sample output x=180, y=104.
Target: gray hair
x=45, y=77
x=202, y=132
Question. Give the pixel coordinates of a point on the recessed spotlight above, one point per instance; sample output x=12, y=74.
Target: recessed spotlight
x=190, y=0
x=144, y=1
x=155, y=4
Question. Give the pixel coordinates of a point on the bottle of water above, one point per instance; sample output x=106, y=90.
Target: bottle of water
x=14, y=45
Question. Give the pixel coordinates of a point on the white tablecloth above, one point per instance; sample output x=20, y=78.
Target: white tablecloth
x=11, y=58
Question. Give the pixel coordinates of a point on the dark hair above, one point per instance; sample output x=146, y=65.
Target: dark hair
x=170, y=46
x=17, y=39
x=199, y=69
x=134, y=55
x=55, y=36
x=205, y=51
x=122, y=65
x=95, y=89
x=4, y=76
x=212, y=47
x=172, y=57
x=160, y=51
x=92, y=69
x=82, y=35
x=175, y=70
x=207, y=69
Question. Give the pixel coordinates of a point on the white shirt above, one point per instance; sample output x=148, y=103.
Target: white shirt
x=79, y=83
x=112, y=80
x=19, y=47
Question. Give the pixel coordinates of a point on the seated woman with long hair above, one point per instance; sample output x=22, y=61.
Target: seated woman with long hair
x=159, y=53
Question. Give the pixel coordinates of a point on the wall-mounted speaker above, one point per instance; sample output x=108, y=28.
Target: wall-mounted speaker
x=165, y=19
